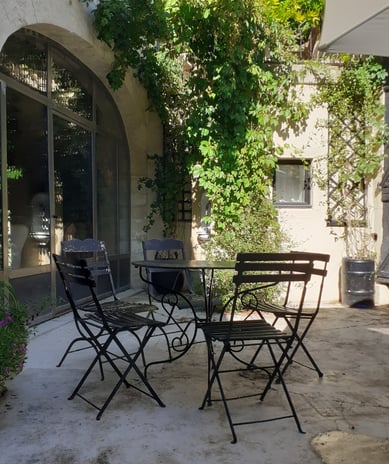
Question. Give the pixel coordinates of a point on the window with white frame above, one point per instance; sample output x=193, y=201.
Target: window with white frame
x=292, y=183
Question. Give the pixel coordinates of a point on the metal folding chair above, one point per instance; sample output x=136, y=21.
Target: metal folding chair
x=101, y=326
x=240, y=338
x=94, y=252
x=163, y=280
x=173, y=290
x=287, y=312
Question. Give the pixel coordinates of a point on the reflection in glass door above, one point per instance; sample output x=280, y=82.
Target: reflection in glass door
x=28, y=183
x=65, y=168
x=28, y=213
x=106, y=178
x=73, y=181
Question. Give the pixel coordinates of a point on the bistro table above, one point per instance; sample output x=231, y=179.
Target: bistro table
x=205, y=267
x=180, y=332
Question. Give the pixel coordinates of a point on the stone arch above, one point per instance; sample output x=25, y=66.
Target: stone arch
x=70, y=24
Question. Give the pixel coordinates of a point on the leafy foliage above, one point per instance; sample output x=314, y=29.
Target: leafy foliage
x=357, y=132
x=13, y=333
x=166, y=185
x=245, y=236
x=257, y=230
x=219, y=74
x=299, y=14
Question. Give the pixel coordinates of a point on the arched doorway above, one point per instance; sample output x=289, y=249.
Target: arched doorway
x=65, y=167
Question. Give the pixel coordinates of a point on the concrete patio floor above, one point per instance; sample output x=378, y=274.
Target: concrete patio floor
x=344, y=414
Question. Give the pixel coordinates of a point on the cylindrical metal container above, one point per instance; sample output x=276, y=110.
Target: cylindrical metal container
x=357, y=282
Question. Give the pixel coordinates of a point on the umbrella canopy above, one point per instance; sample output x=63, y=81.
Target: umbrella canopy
x=356, y=26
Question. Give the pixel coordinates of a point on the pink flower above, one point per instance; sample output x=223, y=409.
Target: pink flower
x=7, y=319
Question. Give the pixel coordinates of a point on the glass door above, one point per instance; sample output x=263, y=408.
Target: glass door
x=28, y=236
x=72, y=181
x=28, y=182
x=65, y=168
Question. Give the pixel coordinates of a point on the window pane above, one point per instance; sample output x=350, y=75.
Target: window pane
x=124, y=200
x=62, y=162
x=113, y=178
x=290, y=184
x=24, y=57
x=107, y=116
x=28, y=186
x=74, y=93
x=113, y=194
x=106, y=191
x=73, y=181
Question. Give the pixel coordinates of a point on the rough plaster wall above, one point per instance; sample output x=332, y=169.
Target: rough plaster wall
x=306, y=226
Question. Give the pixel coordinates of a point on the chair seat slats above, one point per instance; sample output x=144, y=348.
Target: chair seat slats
x=319, y=262
x=124, y=318
x=247, y=329
x=244, y=339
x=100, y=327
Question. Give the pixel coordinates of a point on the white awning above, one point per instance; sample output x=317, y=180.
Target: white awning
x=356, y=26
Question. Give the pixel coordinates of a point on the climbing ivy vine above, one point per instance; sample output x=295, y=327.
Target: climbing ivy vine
x=220, y=76
x=357, y=132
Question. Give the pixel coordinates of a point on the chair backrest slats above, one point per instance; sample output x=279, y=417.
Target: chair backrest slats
x=266, y=267
x=74, y=271
x=320, y=262
x=255, y=271
x=80, y=278
x=258, y=278
x=154, y=245
x=167, y=248
x=96, y=255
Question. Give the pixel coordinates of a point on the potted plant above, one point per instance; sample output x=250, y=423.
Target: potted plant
x=14, y=333
x=356, y=134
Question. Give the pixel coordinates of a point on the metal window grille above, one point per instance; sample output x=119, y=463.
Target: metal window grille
x=28, y=67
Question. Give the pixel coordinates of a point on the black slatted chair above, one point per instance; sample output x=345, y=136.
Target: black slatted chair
x=287, y=312
x=94, y=252
x=162, y=281
x=101, y=326
x=173, y=290
x=240, y=338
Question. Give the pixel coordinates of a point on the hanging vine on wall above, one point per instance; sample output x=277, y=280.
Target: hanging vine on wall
x=357, y=133
x=167, y=185
x=219, y=74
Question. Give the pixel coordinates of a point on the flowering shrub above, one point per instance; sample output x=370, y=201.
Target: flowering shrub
x=13, y=333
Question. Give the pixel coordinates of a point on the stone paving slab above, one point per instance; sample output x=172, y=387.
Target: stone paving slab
x=345, y=448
